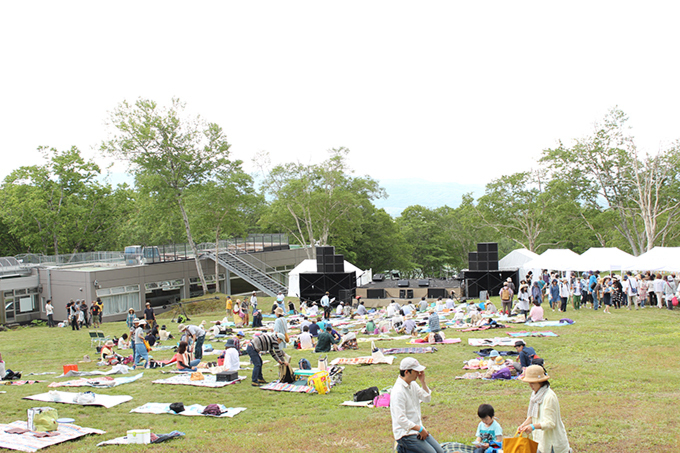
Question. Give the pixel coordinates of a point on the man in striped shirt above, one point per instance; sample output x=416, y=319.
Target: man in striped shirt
x=268, y=342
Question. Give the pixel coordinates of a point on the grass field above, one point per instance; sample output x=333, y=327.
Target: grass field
x=617, y=378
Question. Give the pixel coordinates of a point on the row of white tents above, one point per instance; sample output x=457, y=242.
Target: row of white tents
x=604, y=259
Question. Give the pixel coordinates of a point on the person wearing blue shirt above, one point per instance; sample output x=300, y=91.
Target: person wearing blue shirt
x=326, y=304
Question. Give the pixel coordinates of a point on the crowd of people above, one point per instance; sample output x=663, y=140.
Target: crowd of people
x=594, y=290
x=79, y=313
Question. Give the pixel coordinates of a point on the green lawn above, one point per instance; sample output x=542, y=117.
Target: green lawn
x=616, y=377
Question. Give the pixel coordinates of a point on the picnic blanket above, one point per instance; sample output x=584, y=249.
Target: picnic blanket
x=294, y=388
x=454, y=447
x=357, y=403
x=154, y=439
x=28, y=442
x=20, y=382
x=533, y=334
x=209, y=380
x=193, y=410
x=102, y=382
x=117, y=369
x=496, y=341
x=408, y=350
x=67, y=398
x=362, y=361
x=446, y=341
x=550, y=323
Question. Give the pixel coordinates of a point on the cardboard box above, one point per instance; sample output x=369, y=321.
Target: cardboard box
x=139, y=436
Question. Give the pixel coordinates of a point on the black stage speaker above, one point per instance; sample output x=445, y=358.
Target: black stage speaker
x=379, y=277
x=436, y=293
x=403, y=283
x=423, y=283
x=377, y=293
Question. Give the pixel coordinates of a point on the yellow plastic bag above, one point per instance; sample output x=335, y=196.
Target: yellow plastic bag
x=197, y=376
x=321, y=381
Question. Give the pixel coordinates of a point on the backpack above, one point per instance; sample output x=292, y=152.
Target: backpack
x=505, y=294
x=304, y=364
x=382, y=400
x=367, y=394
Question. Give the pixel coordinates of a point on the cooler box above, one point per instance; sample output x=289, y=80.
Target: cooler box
x=139, y=436
x=71, y=367
x=227, y=376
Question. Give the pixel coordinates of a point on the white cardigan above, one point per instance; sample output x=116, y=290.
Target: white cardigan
x=552, y=433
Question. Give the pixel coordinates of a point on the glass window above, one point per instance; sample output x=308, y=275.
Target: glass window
x=19, y=292
x=132, y=289
x=9, y=294
x=103, y=292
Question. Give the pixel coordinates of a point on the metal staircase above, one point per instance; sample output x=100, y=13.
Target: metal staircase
x=248, y=272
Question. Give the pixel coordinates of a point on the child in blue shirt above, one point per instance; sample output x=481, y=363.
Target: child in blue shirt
x=488, y=429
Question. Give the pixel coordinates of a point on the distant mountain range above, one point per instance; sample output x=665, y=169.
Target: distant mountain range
x=408, y=192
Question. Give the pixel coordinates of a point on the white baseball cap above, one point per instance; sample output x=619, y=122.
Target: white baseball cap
x=409, y=363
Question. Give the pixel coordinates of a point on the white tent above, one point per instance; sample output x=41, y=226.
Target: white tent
x=517, y=259
x=555, y=260
x=309, y=267
x=658, y=259
x=603, y=259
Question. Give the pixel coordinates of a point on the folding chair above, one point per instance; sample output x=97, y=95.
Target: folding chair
x=94, y=339
x=101, y=338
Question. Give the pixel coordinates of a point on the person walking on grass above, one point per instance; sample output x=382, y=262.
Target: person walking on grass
x=198, y=335
x=405, y=400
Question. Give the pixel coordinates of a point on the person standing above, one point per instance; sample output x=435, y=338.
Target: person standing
x=49, y=311
x=230, y=305
x=405, y=400
x=198, y=335
x=253, y=301
x=94, y=312
x=281, y=326
x=326, y=305
x=554, y=294
x=140, y=347
x=268, y=342
x=73, y=315
x=537, y=293
x=245, y=309
x=564, y=294
x=576, y=292
x=150, y=316
x=506, y=298
x=544, y=422
x=100, y=304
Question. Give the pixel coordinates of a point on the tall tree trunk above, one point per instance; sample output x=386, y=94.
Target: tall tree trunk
x=199, y=269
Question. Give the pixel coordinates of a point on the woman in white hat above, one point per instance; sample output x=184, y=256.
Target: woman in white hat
x=140, y=347
x=543, y=421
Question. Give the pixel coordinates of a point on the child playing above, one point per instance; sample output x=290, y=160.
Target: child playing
x=488, y=429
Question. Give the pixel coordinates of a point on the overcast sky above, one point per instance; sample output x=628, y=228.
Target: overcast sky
x=456, y=91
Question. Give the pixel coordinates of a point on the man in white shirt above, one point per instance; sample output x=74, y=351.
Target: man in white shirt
x=361, y=309
x=450, y=304
x=49, y=311
x=405, y=399
x=326, y=305
x=306, y=340
x=231, y=356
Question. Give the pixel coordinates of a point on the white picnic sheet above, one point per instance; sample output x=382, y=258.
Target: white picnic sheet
x=193, y=410
x=357, y=403
x=209, y=380
x=68, y=398
x=103, y=382
x=30, y=443
x=496, y=341
x=117, y=369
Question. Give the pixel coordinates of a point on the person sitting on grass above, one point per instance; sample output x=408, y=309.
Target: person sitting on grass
x=183, y=358
x=326, y=342
x=231, y=356
x=107, y=350
x=306, y=339
x=123, y=342
x=536, y=313
x=488, y=430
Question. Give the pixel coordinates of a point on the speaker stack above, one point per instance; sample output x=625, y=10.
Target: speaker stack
x=485, y=258
x=327, y=262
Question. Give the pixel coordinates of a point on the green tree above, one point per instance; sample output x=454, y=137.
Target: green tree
x=310, y=202
x=374, y=241
x=431, y=250
x=168, y=155
x=641, y=190
x=57, y=207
